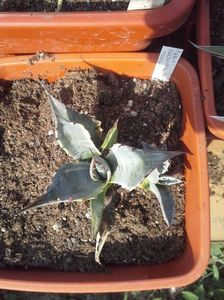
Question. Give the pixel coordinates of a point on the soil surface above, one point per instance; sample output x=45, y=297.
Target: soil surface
x=217, y=35
x=67, y=5
x=59, y=236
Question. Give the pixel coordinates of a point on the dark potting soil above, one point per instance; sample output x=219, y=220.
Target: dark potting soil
x=59, y=236
x=68, y=5
x=217, y=37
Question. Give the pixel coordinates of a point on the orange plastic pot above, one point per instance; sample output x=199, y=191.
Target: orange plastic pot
x=193, y=262
x=205, y=69
x=89, y=31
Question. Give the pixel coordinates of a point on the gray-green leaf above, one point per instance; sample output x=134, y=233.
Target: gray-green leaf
x=111, y=138
x=100, y=169
x=97, y=207
x=218, y=118
x=71, y=182
x=215, y=50
x=69, y=115
x=215, y=271
x=130, y=166
x=200, y=291
x=166, y=202
x=75, y=140
x=189, y=296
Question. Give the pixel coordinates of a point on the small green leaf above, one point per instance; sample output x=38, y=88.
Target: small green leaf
x=166, y=202
x=97, y=207
x=111, y=138
x=215, y=50
x=215, y=271
x=75, y=140
x=71, y=182
x=145, y=184
x=189, y=296
x=217, y=248
x=200, y=291
x=100, y=241
x=130, y=165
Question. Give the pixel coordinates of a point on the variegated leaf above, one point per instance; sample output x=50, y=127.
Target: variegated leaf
x=168, y=180
x=65, y=113
x=218, y=118
x=130, y=166
x=71, y=182
x=166, y=201
x=215, y=50
x=99, y=168
x=97, y=207
x=75, y=140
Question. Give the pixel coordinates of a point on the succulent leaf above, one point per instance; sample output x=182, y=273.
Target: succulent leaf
x=111, y=138
x=69, y=115
x=75, y=140
x=100, y=241
x=215, y=50
x=97, y=207
x=130, y=166
x=71, y=182
x=168, y=180
x=166, y=201
x=218, y=118
x=99, y=168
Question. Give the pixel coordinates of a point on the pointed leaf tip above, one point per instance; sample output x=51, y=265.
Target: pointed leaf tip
x=71, y=182
x=166, y=202
x=65, y=113
x=111, y=137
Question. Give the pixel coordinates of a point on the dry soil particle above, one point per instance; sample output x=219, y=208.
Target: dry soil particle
x=59, y=237
x=217, y=35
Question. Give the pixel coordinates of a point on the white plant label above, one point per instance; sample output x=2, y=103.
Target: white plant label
x=166, y=63
x=145, y=4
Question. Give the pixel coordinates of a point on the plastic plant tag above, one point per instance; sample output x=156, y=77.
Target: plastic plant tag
x=145, y=4
x=167, y=61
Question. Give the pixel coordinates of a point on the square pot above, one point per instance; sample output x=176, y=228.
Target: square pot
x=205, y=69
x=193, y=262
x=89, y=31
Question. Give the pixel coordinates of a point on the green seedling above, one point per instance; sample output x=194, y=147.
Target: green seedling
x=96, y=168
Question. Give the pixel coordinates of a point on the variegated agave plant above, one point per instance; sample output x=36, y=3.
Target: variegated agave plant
x=94, y=170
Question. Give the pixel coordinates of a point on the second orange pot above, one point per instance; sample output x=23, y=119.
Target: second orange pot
x=89, y=31
x=205, y=68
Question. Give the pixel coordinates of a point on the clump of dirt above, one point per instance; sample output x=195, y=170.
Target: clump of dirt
x=59, y=237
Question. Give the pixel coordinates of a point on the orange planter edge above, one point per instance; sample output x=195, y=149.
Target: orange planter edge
x=193, y=262
x=205, y=69
x=23, y=33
